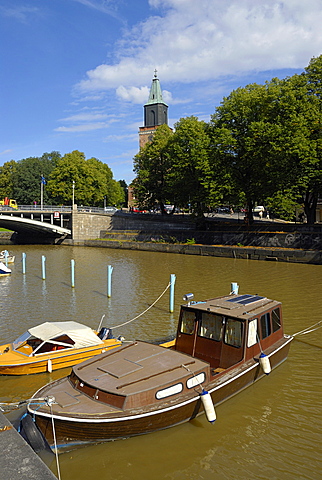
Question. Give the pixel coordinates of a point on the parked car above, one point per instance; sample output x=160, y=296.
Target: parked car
x=258, y=209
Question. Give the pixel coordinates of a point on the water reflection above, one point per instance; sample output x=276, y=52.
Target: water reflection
x=271, y=430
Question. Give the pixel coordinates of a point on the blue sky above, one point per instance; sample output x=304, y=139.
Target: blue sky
x=75, y=74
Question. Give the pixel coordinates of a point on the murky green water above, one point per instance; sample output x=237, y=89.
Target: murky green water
x=272, y=430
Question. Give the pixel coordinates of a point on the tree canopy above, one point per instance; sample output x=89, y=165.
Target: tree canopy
x=58, y=178
x=262, y=146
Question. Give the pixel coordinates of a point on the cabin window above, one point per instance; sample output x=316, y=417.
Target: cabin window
x=211, y=326
x=188, y=322
x=276, y=319
x=233, y=333
x=196, y=380
x=168, y=392
x=265, y=325
x=252, y=333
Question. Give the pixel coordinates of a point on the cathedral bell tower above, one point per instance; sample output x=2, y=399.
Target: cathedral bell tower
x=155, y=113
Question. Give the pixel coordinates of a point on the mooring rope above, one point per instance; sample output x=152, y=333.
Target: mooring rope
x=140, y=315
x=50, y=404
x=13, y=405
x=309, y=329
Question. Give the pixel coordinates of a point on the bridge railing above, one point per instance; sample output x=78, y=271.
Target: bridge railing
x=59, y=208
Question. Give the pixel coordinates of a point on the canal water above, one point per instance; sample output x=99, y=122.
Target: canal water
x=272, y=430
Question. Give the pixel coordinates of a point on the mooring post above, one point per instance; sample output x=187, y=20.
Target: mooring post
x=109, y=280
x=6, y=255
x=72, y=266
x=43, y=267
x=23, y=263
x=172, y=283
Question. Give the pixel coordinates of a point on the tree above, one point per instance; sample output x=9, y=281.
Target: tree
x=313, y=168
x=152, y=165
x=125, y=189
x=6, y=179
x=240, y=141
x=190, y=178
x=89, y=181
x=27, y=177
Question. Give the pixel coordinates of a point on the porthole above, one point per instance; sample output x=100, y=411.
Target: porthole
x=168, y=392
x=196, y=380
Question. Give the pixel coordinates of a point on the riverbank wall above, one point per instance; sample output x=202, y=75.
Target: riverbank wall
x=269, y=241
x=233, y=251
x=264, y=240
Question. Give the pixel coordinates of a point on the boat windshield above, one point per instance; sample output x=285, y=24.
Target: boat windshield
x=20, y=340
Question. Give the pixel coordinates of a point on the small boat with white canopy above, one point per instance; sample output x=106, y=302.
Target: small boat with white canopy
x=53, y=345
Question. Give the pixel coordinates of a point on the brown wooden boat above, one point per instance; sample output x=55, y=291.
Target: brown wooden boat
x=222, y=346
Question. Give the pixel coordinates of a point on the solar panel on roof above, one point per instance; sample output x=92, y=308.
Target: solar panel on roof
x=239, y=298
x=245, y=299
x=251, y=300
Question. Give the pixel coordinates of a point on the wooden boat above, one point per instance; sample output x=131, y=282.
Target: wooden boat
x=53, y=345
x=222, y=346
x=4, y=270
x=6, y=257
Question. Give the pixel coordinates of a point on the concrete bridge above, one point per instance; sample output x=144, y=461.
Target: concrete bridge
x=53, y=224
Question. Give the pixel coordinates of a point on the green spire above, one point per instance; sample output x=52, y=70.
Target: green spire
x=155, y=92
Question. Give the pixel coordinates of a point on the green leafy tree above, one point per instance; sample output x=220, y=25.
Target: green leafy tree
x=125, y=189
x=6, y=179
x=27, y=177
x=89, y=181
x=152, y=165
x=241, y=138
x=190, y=178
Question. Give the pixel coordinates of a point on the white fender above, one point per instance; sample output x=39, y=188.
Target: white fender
x=49, y=366
x=208, y=406
x=265, y=363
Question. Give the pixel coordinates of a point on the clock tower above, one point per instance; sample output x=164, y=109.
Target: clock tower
x=155, y=113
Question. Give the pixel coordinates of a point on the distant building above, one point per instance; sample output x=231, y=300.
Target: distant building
x=155, y=114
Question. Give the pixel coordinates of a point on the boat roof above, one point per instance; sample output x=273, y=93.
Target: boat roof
x=239, y=306
x=136, y=367
x=82, y=335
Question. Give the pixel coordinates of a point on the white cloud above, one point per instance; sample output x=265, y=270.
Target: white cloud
x=19, y=12
x=133, y=94
x=104, y=6
x=5, y=152
x=85, y=117
x=192, y=41
x=87, y=127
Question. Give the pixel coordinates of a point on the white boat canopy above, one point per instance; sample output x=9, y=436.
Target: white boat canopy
x=82, y=335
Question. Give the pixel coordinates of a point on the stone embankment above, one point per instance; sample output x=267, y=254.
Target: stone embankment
x=270, y=241
x=264, y=240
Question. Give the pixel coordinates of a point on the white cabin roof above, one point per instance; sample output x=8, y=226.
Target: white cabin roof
x=82, y=335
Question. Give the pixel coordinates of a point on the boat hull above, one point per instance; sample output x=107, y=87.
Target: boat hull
x=25, y=365
x=97, y=427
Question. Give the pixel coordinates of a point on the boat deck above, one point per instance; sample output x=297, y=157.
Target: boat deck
x=133, y=377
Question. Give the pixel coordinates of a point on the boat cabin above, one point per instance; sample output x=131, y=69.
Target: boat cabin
x=227, y=330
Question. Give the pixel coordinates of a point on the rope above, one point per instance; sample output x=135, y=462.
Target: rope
x=140, y=315
x=29, y=401
x=50, y=404
x=309, y=329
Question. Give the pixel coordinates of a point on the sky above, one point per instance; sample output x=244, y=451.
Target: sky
x=75, y=74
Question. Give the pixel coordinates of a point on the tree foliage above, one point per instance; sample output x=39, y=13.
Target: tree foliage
x=88, y=181
x=152, y=166
x=6, y=179
x=27, y=178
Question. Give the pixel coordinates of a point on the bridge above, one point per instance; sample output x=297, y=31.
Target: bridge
x=52, y=224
